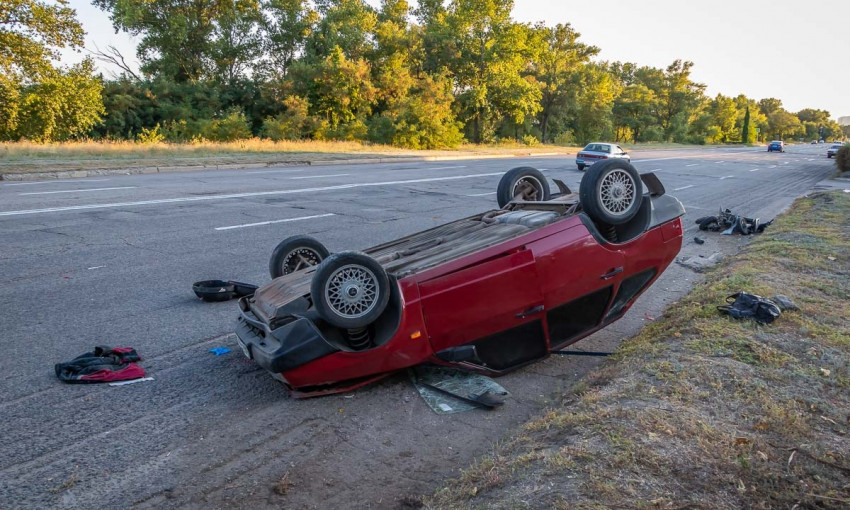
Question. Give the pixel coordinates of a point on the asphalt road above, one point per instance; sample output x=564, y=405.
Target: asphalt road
x=110, y=261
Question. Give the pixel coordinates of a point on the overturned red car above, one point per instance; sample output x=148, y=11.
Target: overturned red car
x=488, y=293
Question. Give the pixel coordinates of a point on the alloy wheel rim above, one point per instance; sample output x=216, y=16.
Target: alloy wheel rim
x=617, y=192
x=352, y=291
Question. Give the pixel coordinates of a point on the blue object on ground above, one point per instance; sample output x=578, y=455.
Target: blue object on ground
x=218, y=351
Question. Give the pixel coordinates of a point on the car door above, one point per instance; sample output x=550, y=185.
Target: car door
x=496, y=305
x=578, y=276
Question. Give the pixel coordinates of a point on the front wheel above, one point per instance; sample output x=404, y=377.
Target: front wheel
x=611, y=192
x=350, y=289
x=522, y=183
x=296, y=253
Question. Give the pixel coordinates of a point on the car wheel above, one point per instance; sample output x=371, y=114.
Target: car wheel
x=611, y=192
x=350, y=289
x=580, y=168
x=526, y=182
x=296, y=253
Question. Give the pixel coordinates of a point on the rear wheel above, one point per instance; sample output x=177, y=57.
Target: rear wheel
x=296, y=253
x=522, y=183
x=350, y=289
x=580, y=168
x=611, y=192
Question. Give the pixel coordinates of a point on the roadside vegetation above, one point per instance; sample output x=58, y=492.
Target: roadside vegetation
x=701, y=410
x=433, y=76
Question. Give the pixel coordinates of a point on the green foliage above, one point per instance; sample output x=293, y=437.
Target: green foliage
x=842, y=159
x=232, y=126
x=293, y=124
x=30, y=33
x=63, y=105
x=150, y=136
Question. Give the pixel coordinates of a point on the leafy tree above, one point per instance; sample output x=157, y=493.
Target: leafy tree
x=770, y=105
x=344, y=24
x=60, y=106
x=287, y=24
x=237, y=43
x=783, y=124
x=677, y=98
x=745, y=131
x=30, y=33
x=595, y=91
x=560, y=56
x=632, y=112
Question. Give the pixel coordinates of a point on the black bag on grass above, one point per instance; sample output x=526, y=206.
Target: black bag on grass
x=744, y=305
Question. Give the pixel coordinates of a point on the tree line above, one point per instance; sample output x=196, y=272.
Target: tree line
x=432, y=76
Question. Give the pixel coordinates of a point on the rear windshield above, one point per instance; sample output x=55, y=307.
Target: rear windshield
x=598, y=147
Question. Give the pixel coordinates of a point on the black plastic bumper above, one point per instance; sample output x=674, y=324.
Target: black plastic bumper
x=284, y=348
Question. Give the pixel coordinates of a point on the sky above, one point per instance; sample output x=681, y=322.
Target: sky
x=791, y=50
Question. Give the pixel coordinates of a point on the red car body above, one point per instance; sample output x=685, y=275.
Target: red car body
x=515, y=300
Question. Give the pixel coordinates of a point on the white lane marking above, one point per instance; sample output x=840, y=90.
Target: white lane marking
x=655, y=170
x=738, y=153
x=726, y=177
x=481, y=194
x=436, y=168
x=276, y=171
x=772, y=166
x=245, y=195
x=318, y=176
x=684, y=187
x=74, y=190
x=754, y=170
x=695, y=164
x=245, y=225
x=96, y=267
x=52, y=182
x=695, y=207
x=719, y=162
x=786, y=162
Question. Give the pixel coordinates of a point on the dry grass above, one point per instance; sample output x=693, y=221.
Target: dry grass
x=22, y=157
x=700, y=410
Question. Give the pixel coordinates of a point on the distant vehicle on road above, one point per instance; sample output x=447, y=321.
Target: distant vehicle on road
x=776, y=145
x=814, y=142
x=595, y=151
x=830, y=152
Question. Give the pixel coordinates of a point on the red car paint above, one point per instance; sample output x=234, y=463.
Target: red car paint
x=499, y=288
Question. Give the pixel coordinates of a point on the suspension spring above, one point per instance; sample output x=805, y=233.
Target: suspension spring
x=611, y=233
x=358, y=338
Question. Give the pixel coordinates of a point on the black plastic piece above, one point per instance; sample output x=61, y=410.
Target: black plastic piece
x=243, y=289
x=463, y=353
x=214, y=290
x=289, y=346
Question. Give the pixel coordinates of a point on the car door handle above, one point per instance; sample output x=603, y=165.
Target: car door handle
x=530, y=312
x=612, y=274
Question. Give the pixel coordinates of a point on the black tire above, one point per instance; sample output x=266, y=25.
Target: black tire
x=517, y=178
x=611, y=191
x=296, y=253
x=580, y=167
x=350, y=289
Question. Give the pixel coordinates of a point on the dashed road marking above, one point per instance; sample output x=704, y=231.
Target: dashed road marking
x=754, y=170
x=684, y=187
x=726, y=177
x=481, y=194
x=693, y=164
x=287, y=220
x=53, y=182
x=318, y=176
x=74, y=190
